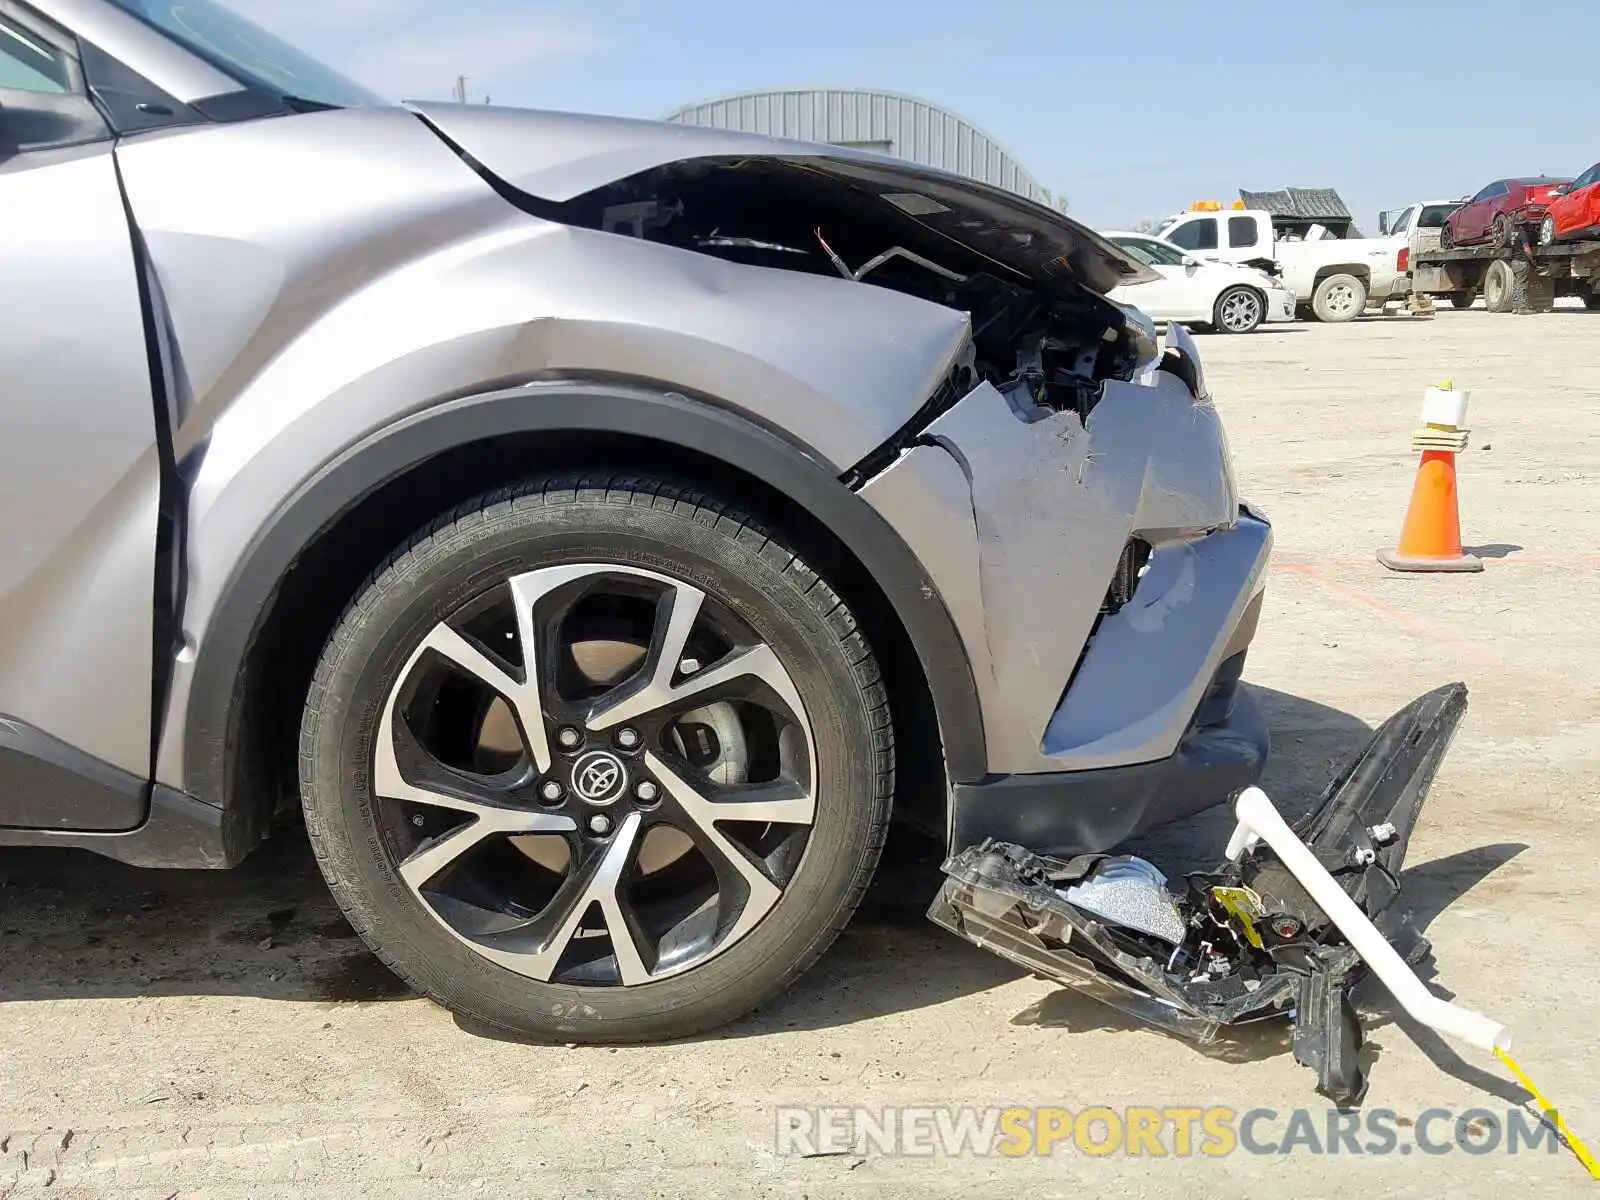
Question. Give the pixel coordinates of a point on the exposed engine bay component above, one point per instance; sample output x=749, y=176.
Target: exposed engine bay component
x=873, y=263
x=1247, y=940
x=1047, y=347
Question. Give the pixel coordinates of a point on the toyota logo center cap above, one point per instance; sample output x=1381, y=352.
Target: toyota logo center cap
x=599, y=777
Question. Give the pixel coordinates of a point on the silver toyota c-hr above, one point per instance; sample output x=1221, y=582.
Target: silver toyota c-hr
x=597, y=529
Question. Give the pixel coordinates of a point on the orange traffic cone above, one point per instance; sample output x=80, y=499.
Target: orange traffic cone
x=1430, y=540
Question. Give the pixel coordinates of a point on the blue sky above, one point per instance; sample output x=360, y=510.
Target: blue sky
x=1130, y=109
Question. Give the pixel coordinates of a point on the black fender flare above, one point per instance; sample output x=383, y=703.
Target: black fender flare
x=568, y=407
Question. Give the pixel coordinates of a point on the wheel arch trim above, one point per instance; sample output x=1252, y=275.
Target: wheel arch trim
x=565, y=407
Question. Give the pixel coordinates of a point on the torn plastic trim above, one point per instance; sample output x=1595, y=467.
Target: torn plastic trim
x=1289, y=958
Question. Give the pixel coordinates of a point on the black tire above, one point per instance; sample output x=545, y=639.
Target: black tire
x=1239, y=309
x=1339, y=298
x=647, y=524
x=1497, y=286
x=1447, y=240
x=1465, y=298
x=1592, y=301
x=1504, y=232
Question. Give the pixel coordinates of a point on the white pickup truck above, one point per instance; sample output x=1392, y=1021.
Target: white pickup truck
x=1419, y=224
x=1336, y=278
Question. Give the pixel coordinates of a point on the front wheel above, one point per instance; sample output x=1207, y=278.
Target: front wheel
x=1547, y=231
x=1239, y=310
x=597, y=760
x=1339, y=298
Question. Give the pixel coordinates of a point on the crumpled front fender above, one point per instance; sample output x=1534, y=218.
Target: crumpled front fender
x=1022, y=523
x=307, y=319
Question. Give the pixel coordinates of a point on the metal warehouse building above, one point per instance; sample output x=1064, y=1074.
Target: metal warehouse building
x=885, y=122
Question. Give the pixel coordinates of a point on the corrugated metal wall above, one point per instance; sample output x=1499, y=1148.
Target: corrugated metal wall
x=912, y=128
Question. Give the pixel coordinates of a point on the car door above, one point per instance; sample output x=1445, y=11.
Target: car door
x=1164, y=299
x=79, y=471
x=1198, y=235
x=1190, y=283
x=1473, y=223
x=1244, y=236
x=1461, y=221
x=1586, y=206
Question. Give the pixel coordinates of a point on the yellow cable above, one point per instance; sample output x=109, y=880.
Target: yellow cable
x=1574, y=1143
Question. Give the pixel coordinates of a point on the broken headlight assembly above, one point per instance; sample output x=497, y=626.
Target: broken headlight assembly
x=1246, y=941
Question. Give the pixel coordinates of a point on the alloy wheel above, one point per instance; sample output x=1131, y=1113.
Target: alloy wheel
x=594, y=774
x=1241, y=312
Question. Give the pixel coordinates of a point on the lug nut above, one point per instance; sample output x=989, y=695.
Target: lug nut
x=568, y=737
x=646, y=792
x=600, y=824
x=628, y=738
x=551, y=791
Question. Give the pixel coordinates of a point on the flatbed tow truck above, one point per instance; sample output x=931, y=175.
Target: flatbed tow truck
x=1461, y=274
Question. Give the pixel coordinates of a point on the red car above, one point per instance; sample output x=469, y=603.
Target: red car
x=1498, y=210
x=1574, y=209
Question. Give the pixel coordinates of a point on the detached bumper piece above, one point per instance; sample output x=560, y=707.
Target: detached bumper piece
x=1243, y=942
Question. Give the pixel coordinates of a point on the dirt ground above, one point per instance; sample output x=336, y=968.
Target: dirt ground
x=172, y=1034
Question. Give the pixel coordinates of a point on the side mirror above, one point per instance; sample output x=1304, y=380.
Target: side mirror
x=1383, y=224
x=1190, y=260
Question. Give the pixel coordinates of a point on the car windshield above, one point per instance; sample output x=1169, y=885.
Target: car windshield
x=1151, y=253
x=249, y=53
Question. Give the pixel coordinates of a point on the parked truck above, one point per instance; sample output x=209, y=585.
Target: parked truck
x=1463, y=273
x=1333, y=278
x=1418, y=224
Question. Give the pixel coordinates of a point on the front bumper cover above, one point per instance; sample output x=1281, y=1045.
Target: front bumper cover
x=1256, y=945
x=1075, y=812
x=1280, y=305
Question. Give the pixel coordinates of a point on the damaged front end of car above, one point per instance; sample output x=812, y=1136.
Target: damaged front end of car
x=1066, y=487
x=1243, y=942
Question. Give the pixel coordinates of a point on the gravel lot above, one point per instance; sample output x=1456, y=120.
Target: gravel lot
x=172, y=1034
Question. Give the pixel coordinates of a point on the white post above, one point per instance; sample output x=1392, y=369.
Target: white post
x=1259, y=820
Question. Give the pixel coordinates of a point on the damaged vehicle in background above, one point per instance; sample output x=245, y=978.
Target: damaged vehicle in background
x=597, y=528
x=1224, y=297
x=1500, y=211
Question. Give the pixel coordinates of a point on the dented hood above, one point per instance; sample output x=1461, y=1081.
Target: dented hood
x=558, y=157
